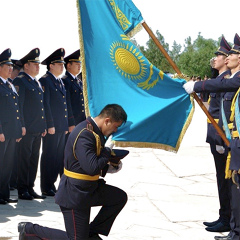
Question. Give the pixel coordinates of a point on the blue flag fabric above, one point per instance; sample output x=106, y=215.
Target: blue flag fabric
x=115, y=71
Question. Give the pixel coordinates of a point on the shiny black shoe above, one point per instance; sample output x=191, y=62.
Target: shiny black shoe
x=223, y=237
x=21, y=230
x=49, y=193
x=11, y=200
x=25, y=196
x=36, y=196
x=211, y=224
x=220, y=227
x=3, y=202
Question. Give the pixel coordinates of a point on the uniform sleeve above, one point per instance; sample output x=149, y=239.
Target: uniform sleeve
x=46, y=102
x=71, y=121
x=217, y=85
x=20, y=87
x=86, y=154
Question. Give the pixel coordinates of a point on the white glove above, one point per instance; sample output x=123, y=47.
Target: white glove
x=220, y=149
x=189, y=86
x=109, y=143
x=112, y=169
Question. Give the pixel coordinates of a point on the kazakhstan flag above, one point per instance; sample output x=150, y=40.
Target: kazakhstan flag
x=115, y=71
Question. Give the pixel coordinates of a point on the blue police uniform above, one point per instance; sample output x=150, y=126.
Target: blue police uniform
x=56, y=116
x=10, y=126
x=13, y=182
x=33, y=119
x=84, y=154
x=74, y=88
x=75, y=99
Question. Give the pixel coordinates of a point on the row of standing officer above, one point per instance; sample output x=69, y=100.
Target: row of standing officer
x=43, y=109
x=229, y=114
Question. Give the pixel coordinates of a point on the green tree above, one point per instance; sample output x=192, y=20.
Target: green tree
x=194, y=60
x=154, y=55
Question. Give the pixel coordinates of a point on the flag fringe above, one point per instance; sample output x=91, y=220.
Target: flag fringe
x=158, y=145
x=137, y=29
x=84, y=77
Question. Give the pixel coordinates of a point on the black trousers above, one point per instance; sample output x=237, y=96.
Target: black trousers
x=28, y=161
x=77, y=225
x=14, y=175
x=7, y=150
x=51, y=160
x=224, y=191
x=235, y=204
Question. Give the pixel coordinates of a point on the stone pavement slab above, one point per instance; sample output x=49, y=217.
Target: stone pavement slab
x=169, y=194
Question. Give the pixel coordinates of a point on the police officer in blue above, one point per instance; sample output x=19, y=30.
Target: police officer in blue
x=232, y=133
x=10, y=126
x=87, y=159
x=56, y=113
x=17, y=66
x=74, y=89
x=33, y=120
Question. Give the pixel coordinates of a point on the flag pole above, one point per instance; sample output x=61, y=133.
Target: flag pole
x=174, y=66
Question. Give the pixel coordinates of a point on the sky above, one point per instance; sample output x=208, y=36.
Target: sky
x=52, y=24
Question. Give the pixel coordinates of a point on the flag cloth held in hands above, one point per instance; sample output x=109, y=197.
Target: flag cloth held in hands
x=115, y=71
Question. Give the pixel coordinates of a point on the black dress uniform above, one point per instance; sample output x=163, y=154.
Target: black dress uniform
x=33, y=119
x=74, y=89
x=230, y=85
x=214, y=139
x=56, y=116
x=76, y=197
x=223, y=223
x=10, y=126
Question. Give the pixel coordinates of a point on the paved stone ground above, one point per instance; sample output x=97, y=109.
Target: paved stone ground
x=170, y=195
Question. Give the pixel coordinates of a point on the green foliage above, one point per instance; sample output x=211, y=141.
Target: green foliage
x=154, y=55
x=192, y=61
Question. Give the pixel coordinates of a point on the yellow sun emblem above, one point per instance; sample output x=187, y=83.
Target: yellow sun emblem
x=128, y=60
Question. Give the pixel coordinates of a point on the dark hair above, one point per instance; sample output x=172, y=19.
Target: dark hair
x=115, y=112
x=16, y=67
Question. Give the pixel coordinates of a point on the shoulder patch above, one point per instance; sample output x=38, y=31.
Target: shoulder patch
x=64, y=77
x=227, y=76
x=44, y=76
x=20, y=76
x=17, y=88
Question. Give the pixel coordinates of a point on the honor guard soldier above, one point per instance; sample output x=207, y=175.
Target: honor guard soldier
x=57, y=122
x=231, y=130
x=222, y=224
x=87, y=157
x=74, y=89
x=10, y=126
x=33, y=120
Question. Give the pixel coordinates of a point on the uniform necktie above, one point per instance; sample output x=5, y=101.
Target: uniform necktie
x=60, y=83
